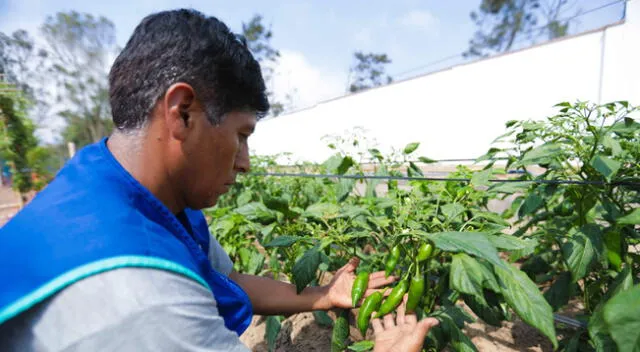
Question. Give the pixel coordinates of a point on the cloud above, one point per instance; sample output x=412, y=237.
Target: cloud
x=306, y=83
x=420, y=19
x=364, y=36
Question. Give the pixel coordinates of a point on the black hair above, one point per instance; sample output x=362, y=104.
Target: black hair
x=184, y=46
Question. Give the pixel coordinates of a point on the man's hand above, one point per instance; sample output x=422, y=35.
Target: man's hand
x=338, y=291
x=405, y=334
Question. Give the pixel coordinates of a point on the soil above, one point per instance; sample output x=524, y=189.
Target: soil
x=300, y=333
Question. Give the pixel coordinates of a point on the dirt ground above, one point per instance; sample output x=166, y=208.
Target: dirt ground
x=301, y=333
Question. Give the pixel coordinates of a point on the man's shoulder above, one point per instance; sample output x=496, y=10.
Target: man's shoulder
x=94, y=305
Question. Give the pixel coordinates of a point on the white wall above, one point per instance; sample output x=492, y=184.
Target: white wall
x=458, y=112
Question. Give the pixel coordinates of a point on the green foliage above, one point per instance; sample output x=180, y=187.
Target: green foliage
x=17, y=139
x=584, y=231
x=308, y=226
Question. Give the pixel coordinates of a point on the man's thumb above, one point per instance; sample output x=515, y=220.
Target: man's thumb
x=426, y=324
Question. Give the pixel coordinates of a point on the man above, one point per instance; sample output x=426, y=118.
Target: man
x=115, y=255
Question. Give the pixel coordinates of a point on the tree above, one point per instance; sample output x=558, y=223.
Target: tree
x=368, y=71
x=502, y=23
x=17, y=138
x=258, y=39
x=81, y=48
x=22, y=65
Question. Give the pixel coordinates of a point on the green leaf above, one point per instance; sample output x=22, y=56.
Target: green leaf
x=525, y=298
x=410, y=148
x=481, y=178
x=559, y=293
x=564, y=104
x=599, y=332
x=304, y=270
x=322, y=318
x=255, y=263
x=606, y=166
x=427, y=160
x=509, y=188
x=257, y=211
x=272, y=330
x=540, y=155
x=360, y=346
x=510, y=123
x=376, y=154
x=581, y=249
x=459, y=341
x=489, y=280
x=613, y=245
x=489, y=312
x=622, y=282
x=622, y=315
x=612, y=144
x=322, y=211
x=452, y=210
x=466, y=276
x=532, y=203
x=473, y=243
x=277, y=203
x=345, y=186
x=340, y=332
x=414, y=170
x=344, y=166
x=511, y=243
x=283, y=241
x=633, y=218
x=244, y=198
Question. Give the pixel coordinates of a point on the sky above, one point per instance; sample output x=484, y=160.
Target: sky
x=316, y=38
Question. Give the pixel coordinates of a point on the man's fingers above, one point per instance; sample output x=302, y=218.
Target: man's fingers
x=388, y=321
x=380, y=281
x=411, y=319
x=425, y=325
x=377, y=325
x=352, y=264
x=401, y=310
x=380, y=274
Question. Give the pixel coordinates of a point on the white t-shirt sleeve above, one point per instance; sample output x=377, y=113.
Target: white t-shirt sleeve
x=129, y=309
x=219, y=258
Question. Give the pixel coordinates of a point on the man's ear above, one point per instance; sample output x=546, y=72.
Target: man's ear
x=178, y=102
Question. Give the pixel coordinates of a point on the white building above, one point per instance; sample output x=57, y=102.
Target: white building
x=456, y=113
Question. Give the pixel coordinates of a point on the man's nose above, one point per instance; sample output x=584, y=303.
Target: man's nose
x=243, y=162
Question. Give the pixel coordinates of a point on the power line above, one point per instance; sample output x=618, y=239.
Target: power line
x=443, y=179
x=516, y=41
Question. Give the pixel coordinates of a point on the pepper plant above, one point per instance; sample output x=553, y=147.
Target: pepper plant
x=438, y=238
x=582, y=210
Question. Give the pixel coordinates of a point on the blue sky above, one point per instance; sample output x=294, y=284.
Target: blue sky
x=317, y=38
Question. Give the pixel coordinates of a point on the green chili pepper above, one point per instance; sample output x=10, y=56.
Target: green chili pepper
x=340, y=331
x=370, y=304
x=392, y=260
x=424, y=252
x=359, y=287
x=394, y=299
x=416, y=290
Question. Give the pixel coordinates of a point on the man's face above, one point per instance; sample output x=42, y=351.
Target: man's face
x=214, y=156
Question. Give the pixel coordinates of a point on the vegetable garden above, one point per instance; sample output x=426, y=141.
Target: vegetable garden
x=570, y=232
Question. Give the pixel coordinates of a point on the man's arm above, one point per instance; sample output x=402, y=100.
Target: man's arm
x=133, y=309
x=272, y=297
